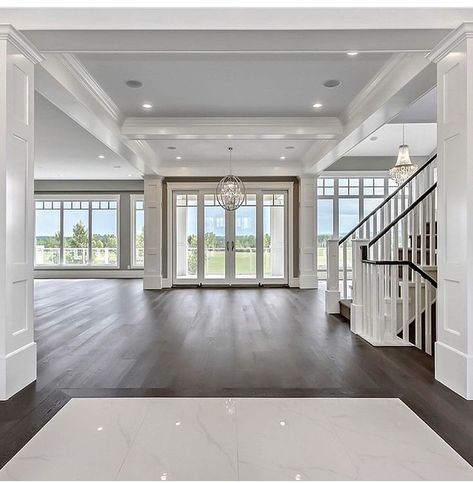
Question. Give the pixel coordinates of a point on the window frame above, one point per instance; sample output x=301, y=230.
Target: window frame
x=133, y=199
x=336, y=196
x=79, y=197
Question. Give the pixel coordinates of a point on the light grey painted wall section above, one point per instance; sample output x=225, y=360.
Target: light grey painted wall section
x=369, y=163
x=124, y=189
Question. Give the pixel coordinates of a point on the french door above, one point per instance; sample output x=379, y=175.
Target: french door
x=217, y=247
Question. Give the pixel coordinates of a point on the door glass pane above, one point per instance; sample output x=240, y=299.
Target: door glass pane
x=186, y=239
x=214, y=242
x=104, y=235
x=324, y=231
x=273, y=236
x=48, y=234
x=245, y=242
x=76, y=235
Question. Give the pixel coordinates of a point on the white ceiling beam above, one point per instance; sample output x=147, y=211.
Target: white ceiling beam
x=66, y=83
x=234, y=18
x=264, y=128
x=401, y=81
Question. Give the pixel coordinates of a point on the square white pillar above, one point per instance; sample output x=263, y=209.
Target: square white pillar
x=17, y=346
x=153, y=196
x=454, y=346
x=307, y=233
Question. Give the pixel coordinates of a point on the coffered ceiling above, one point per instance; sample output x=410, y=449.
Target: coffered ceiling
x=187, y=77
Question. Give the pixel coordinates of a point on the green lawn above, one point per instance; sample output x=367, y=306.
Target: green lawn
x=245, y=263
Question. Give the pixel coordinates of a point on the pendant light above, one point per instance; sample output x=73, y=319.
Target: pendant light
x=403, y=168
x=230, y=191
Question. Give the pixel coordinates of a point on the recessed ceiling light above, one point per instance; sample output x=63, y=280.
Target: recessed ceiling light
x=317, y=105
x=373, y=138
x=147, y=106
x=282, y=157
x=130, y=175
x=178, y=423
x=101, y=156
x=289, y=147
x=178, y=157
x=100, y=428
x=117, y=166
x=332, y=83
x=171, y=147
x=135, y=84
x=352, y=53
x=282, y=423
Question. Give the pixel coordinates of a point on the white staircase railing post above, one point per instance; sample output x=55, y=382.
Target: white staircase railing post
x=356, y=313
x=332, y=294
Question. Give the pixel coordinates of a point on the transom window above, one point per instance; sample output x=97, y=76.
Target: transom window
x=76, y=232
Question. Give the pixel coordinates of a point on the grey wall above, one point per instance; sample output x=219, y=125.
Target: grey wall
x=123, y=188
x=369, y=163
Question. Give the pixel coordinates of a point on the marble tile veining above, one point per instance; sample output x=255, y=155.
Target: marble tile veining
x=236, y=439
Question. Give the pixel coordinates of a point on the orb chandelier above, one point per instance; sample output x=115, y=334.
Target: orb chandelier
x=404, y=168
x=230, y=191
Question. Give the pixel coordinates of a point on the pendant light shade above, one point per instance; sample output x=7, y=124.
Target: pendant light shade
x=230, y=191
x=404, y=168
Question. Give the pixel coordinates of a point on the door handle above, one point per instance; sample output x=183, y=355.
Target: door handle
x=228, y=245
x=233, y=245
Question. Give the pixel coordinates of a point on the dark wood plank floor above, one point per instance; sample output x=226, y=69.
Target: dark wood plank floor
x=102, y=338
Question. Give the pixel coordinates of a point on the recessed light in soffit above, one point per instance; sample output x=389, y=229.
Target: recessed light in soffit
x=332, y=83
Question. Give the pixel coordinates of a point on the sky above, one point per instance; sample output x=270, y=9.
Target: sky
x=48, y=222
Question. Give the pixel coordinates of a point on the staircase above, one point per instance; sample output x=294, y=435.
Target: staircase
x=387, y=287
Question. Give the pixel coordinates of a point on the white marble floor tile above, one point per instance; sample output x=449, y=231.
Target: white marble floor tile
x=185, y=439
x=246, y=439
x=87, y=440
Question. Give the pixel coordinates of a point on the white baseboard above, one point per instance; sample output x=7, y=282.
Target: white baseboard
x=152, y=282
x=39, y=274
x=17, y=370
x=308, y=281
x=454, y=369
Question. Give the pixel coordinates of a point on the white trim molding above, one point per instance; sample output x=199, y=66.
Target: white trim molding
x=89, y=83
x=8, y=32
x=313, y=128
x=451, y=41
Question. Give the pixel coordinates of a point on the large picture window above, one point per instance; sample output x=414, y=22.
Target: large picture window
x=77, y=232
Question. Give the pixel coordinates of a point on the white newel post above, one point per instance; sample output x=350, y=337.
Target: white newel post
x=17, y=346
x=454, y=346
x=332, y=293
x=307, y=233
x=153, y=190
x=356, y=312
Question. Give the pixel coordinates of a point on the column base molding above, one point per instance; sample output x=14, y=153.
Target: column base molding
x=308, y=281
x=152, y=282
x=356, y=318
x=332, y=301
x=454, y=369
x=17, y=370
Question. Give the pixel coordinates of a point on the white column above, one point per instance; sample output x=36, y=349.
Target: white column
x=356, y=310
x=332, y=293
x=153, y=190
x=307, y=233
x=17, y=346
x=454, y=346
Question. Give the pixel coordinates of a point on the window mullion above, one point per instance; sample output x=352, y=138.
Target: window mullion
x=89, y=261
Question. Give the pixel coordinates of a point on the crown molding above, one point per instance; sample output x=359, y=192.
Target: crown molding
x=451, y=41
x=83, y=76
x=232, y=128
x=365, y=94
x=9, y=33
